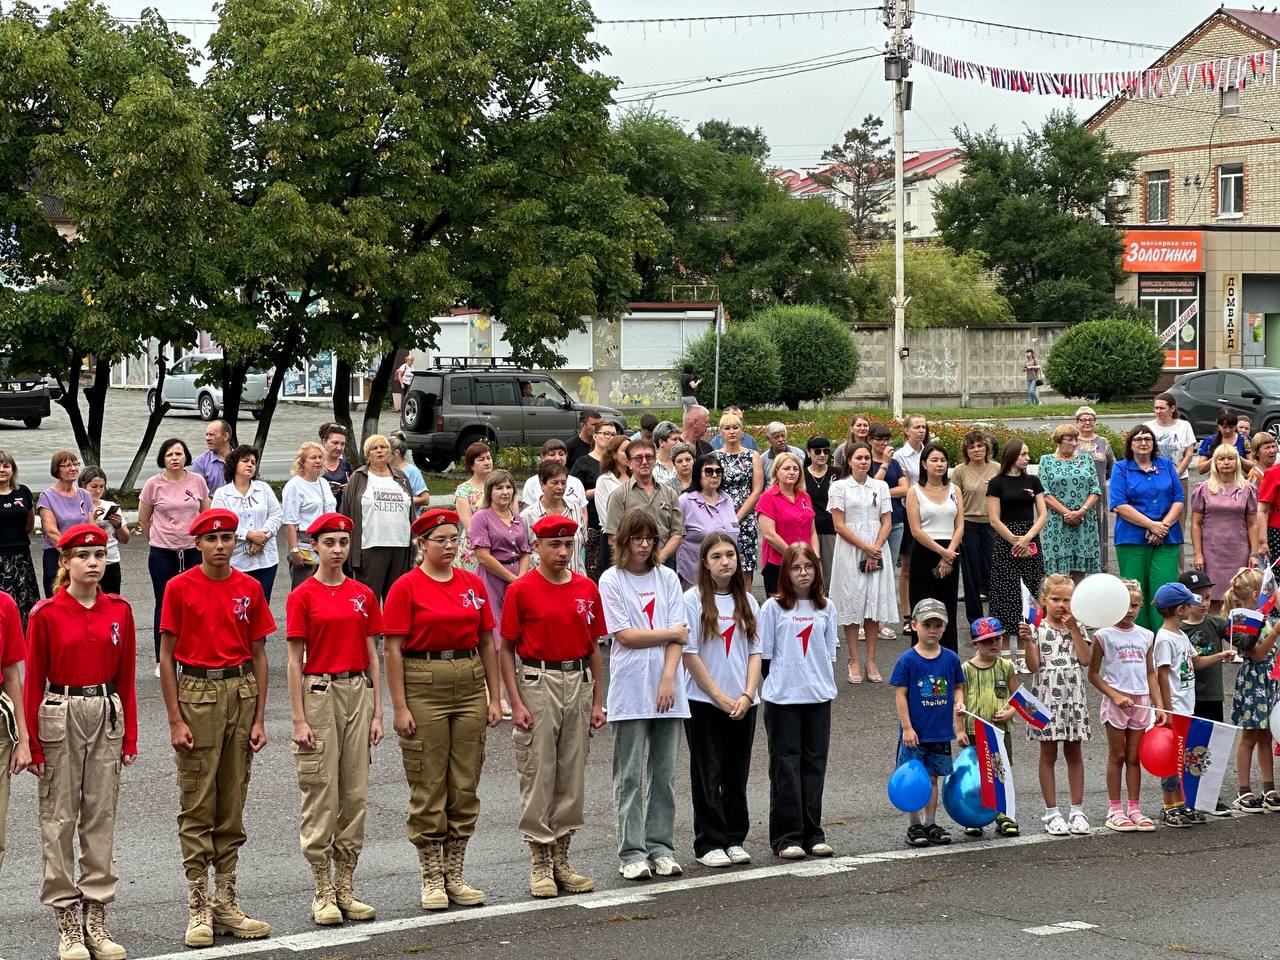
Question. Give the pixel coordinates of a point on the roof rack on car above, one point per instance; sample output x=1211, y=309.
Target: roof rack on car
x=475, y=363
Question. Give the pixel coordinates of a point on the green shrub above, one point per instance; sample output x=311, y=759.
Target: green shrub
x=818, y=354
x=1105, y=359
x=750, y=371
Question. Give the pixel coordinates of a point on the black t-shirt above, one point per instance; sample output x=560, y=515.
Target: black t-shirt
x=686, y=385
x=1206, y=637
x=587, y=469
x=576, y=449
x=14, y=508
x=1017, y=496
x=818, y=489
x=338, y=478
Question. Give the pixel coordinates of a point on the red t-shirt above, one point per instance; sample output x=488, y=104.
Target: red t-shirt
x=335, y=623
x=552, y=621
x=437, y=616
x=12, y=646
x=215, y=621
x=1269, y=493
x=78, y=646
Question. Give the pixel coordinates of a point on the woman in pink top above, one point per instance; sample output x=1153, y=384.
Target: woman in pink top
x=168, y=504
x=785, y=516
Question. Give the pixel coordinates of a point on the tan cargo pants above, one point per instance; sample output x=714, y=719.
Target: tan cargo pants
x=334, y=776
x=551, y=759
x=6, y=751
x=442, y=759
x=213, y=779
x=78, y=794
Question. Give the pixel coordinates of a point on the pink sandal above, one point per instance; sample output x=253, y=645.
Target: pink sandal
x=1141, y=821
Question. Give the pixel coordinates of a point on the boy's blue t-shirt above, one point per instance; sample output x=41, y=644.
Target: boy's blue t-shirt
x=931, y=692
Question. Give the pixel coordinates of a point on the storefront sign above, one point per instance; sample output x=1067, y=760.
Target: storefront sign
x=1162, y=251
x=1174, y=303
x=1230, y=313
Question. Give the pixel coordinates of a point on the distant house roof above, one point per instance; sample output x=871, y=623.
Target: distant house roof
x=1267, y=24
x=917, y=166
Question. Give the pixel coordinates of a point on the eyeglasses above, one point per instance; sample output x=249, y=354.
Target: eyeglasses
x=639, y=540
x=642, y=457
x=819, y=452
x=1144, y=439
x=805, y=568
x=1086, y=419
x=445, y=541
x=712, y=471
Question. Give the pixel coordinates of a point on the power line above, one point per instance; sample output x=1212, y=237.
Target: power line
x=744, y=72
x=736, y=17
x=726, y=86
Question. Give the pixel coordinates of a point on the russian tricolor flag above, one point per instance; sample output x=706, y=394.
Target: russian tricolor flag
x=997, y=772
x=1029, y=707
x=1205, y=748
x=1246, y=625
x=1267, y=595
x=1031, y=611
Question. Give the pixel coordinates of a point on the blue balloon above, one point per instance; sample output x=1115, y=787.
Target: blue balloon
x=910, y=787
x=962, y=791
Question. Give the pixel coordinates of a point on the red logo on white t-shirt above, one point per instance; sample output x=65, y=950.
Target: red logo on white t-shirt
x=728, y=638
x=803, y=637
x=648, y=609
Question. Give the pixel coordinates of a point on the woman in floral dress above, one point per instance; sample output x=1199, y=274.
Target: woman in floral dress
x=743, y=482
x=1093, y=444
x=1070, y=537
x=466, y=498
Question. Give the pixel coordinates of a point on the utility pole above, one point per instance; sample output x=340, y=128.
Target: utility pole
x=897, y=16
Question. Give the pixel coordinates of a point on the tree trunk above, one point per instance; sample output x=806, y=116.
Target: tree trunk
x=96, y=399
x=153, y=424
x=342, y=400
x=284, y=357
x=378, y=394
x=233, y=376
x=70, y=401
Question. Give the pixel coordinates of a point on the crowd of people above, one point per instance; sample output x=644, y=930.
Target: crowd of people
x=644, y=547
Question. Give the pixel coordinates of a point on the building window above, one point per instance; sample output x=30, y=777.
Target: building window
x=1158, y=196
x=1230, y=102
x=1231, y=190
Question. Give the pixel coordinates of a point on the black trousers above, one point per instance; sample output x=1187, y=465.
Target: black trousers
x=799, y=735
x=975, y=566
x=770, y=574
x=921, y=583
x=164, y=565
x=719, y=764
x=110, y=582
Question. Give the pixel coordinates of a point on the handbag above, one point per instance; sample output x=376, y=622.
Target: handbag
x=1039, y=382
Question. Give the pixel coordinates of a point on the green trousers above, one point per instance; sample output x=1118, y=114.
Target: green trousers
x=1152, y=567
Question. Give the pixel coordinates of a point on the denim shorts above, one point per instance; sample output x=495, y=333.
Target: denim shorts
x=936, y=757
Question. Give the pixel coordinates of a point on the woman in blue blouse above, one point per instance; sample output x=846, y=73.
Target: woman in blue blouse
x=1147, y=499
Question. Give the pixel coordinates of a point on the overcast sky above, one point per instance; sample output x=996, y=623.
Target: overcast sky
x=803, y=114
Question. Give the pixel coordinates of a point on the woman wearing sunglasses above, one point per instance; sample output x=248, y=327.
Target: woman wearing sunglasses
x=706, y=510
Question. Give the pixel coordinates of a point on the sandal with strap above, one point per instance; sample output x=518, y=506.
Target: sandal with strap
x=1007, y=828
x=1120, y=823
x=1141, y=822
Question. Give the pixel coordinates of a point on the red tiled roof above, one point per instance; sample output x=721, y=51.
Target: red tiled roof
x=1267, y=24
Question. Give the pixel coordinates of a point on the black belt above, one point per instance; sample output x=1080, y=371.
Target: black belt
x=441, y=654
x=344, y=675
x=216, y=673
x=97, y=690
x=567, y=666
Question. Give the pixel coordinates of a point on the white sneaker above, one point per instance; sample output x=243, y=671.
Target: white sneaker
x=716, y=858
x=635, y=870
x=665, y=866
x=1055, y=826
x=157, y=673
x=738, y=855
x=793, y=852
x=822, y=850
x=1078, y=824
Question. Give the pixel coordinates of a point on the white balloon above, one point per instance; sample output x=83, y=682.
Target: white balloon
x=1100, y=600
x=1275, y=720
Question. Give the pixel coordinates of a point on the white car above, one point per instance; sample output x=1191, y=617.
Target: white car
x=183, y=392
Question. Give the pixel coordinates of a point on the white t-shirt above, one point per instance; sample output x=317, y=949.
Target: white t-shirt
x=908, y=458
x=304, y=501
x=1174, y=650
x=1172, y=440
x=1124, y=658
x=99, y=517
x=726, y=655
x=650, y=601
x=575, y=494
x=800, y=645
x=258, y=509
x=385, y=514
x=606, y=485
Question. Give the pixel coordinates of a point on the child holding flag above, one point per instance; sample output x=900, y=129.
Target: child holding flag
x=1055, y=657
x=1122, y=669
x=989, y=681
x=929, y=698
x=1254, y=695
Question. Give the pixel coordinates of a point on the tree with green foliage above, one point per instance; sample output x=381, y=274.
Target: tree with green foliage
x=1038, y=209
x=948, y=289
x=858, y=168
x=818, y=355
x=738, y=141
x=750, y=368
x=1106, y=359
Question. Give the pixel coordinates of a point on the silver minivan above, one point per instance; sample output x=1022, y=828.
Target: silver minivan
x=182, y=390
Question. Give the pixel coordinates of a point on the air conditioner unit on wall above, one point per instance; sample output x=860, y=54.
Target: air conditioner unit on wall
x=1119, y=188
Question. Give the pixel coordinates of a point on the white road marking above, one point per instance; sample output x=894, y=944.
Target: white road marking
x=1066, y=926
x=319, y=939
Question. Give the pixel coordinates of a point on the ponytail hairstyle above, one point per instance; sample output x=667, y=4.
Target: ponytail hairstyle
x=1244, y=589
x=742, y=615
x=62, y=578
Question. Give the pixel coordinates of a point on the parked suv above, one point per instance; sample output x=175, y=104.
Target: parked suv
x=1254, y=391
x=460, y=400
x=23, y=396
x=183, y=391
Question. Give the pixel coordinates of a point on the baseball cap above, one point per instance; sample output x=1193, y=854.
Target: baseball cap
x=930, y=609
x=986, y=628
x=1173, y=595
x=1195, y=580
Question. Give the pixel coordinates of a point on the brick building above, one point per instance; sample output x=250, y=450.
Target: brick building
x=1202, y=241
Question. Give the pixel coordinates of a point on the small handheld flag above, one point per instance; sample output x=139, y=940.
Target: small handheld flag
x=1030, y=708
x=1246, y=625
x=1267, y=593
x=1031, y=611
x=997, y=772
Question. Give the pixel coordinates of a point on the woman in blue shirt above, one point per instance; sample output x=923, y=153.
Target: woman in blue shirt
x=1147, y=499
x=1226, y=433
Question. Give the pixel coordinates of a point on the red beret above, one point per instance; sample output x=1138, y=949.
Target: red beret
x=214, y=521
x=432, y=519
x=330, y=523
x=83, y=535
x=555, y=526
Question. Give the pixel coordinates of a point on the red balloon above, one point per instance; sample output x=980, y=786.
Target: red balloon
x=1157, y=751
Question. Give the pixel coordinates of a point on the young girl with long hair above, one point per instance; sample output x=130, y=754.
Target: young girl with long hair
x=1254, y=696
x=723, y=679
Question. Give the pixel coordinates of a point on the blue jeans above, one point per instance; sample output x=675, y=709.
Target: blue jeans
x=895, y=543
x=1033, y=395
x=646, y=825
x=164, y=565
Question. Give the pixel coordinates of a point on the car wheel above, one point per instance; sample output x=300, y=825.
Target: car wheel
x=467, y=439
x=411, y=412
x=151, y=401
x=208, y=409
x=256, y=414
x=31, y=423
x=1273, y=428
